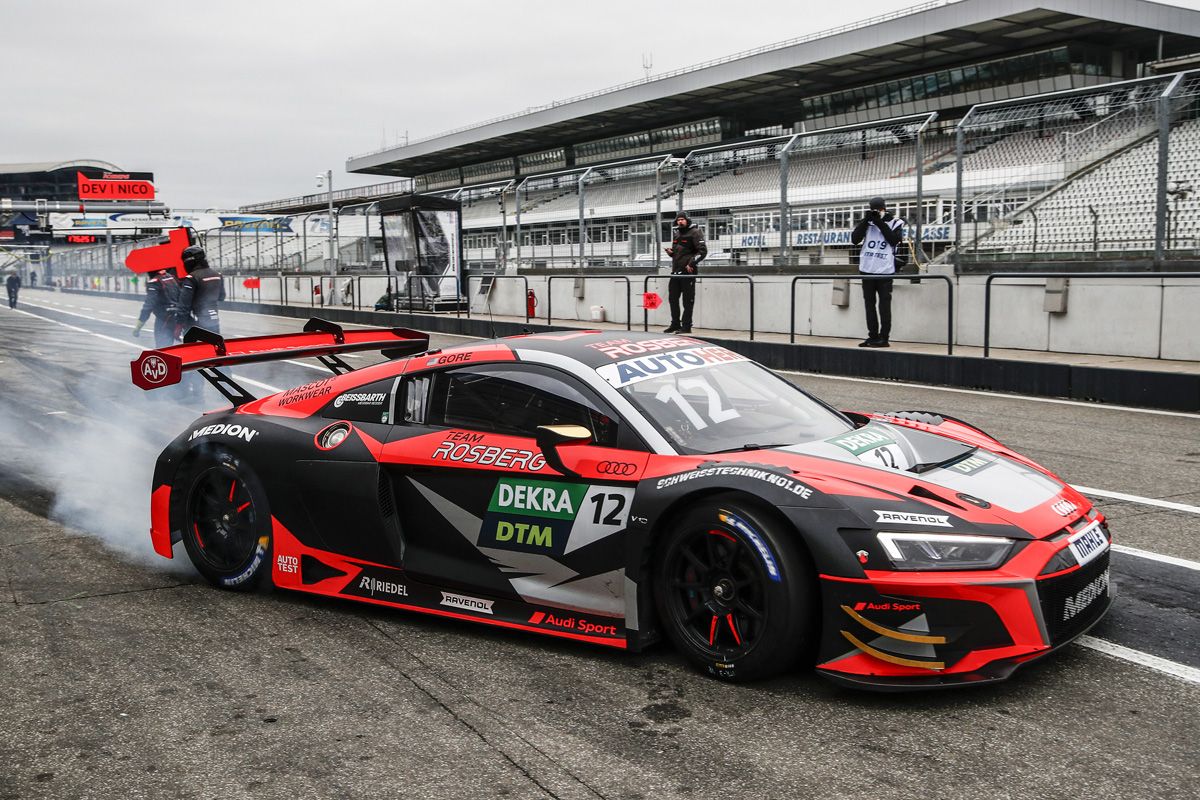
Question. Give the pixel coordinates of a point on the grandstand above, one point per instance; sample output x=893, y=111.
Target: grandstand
x=1009, y=130
x=841, y=135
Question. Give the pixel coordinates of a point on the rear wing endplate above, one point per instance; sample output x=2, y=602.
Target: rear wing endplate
x=205, y=351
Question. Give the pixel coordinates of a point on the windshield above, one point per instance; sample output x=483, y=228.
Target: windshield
x=732, y=406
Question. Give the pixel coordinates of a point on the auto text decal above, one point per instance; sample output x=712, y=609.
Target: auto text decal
x=634, y=370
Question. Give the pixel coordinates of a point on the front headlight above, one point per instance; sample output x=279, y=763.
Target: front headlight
x=925, y=551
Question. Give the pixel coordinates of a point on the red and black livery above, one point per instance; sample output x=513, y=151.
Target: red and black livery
x=578, y=484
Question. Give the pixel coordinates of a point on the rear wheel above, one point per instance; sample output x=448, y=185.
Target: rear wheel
x=735, y=591
x=226, y=524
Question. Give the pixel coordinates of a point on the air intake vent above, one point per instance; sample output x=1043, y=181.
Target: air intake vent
x=387, y=503
x=314, y=571
x=922, y=492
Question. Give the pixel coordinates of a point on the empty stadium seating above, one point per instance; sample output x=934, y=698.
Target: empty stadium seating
x=1122, y=191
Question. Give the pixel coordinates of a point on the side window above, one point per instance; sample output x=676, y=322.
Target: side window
x=373, y=402
x=511, y=400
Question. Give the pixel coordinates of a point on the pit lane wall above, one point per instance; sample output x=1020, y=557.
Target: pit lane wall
x=1151, y=317
x=1177, y=391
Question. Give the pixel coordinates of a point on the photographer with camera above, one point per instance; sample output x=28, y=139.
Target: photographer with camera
x=687, y=250
x=880, y=234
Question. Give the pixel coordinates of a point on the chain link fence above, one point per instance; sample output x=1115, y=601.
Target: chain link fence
x=1181, y=225
x=1108, y=172
x=1066, y=176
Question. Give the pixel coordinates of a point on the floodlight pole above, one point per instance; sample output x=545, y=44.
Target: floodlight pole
x=920, y=158
x=959, y=146
x=1160, y=195
x=658, y=240
x=332, y=246
x=785, y=211
x=504, y=226
x=520, y=188
x=582, y=221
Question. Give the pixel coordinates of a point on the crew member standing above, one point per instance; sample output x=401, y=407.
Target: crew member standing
x=13, y=284
x=162, y=296
x=880, y=234
x=200, y=292
x=687, y=250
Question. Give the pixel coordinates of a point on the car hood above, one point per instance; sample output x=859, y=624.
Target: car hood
x=1007, y=488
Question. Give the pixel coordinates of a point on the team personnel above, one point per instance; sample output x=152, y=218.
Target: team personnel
x=13, y=284
x=162, y=296
x=687, y=250
x=880, y=234
x=200, y=292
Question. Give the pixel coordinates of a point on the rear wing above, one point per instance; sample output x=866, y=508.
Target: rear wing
x=204, y=351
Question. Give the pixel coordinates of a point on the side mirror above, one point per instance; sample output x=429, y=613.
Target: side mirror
x=550, y=437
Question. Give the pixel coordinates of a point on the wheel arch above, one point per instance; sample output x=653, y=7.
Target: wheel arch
x=661, y=511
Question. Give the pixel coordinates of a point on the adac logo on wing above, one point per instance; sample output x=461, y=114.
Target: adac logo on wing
x=531, y=516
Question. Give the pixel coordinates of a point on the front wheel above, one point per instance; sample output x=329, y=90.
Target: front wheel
x=735, y=591
x=226, y=524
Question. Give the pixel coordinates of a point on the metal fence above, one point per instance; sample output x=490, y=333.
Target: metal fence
x=600, y=216
x=1107, y=172
x=1082, y=175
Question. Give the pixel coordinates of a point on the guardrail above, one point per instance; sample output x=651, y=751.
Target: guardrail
x=628, y=294
x=987, y=289
x=913, y=278
x=648, y=278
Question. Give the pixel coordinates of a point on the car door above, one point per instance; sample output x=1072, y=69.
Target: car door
x=342, y=488
x=483, y=511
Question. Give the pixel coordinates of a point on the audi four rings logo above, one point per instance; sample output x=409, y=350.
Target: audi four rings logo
x=615, y=468
x=154, y=369
x=1064, y=508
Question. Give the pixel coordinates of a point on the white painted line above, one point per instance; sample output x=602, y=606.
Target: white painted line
x=128, y=316
x=54, y=413
x=1178, y=562
x=77, y=328
x=260, y=384
x=86, y=308
x=998, y=395
x=302, y=364
x=1173, y=668
x=82, y=316
x=1133, y=498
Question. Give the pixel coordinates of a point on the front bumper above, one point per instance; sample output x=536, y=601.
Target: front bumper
x=898, y=631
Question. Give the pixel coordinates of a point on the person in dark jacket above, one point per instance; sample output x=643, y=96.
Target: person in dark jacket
x=162, y=296
x=880, y=234
x=200, y=292
x=13, y=284
x=687, y=250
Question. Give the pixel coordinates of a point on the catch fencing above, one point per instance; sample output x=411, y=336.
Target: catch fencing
x=1106, y=172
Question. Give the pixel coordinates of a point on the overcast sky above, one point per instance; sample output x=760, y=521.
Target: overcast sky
x=236, y=102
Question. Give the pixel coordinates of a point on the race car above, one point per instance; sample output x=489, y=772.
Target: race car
x=619, y=488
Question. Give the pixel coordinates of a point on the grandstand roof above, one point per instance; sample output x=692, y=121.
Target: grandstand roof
x=50, y=166
x=759, y=86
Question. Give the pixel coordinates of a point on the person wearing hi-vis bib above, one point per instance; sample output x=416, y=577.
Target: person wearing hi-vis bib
x=880, y=234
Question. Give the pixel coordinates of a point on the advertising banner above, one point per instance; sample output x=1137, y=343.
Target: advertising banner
x=113, y=187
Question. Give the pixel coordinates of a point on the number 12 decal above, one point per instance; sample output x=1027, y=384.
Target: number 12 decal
x=613, y=517
x=716, y=413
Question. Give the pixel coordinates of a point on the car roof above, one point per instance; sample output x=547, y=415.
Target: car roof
x=595, y=348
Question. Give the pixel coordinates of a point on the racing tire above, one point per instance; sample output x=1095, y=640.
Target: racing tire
x=225, y=521
x=735, y=592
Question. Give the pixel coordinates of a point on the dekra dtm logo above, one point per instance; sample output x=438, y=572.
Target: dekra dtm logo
x=531, y=515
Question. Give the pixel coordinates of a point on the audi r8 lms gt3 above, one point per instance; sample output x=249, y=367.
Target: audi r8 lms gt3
x=618, y=489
